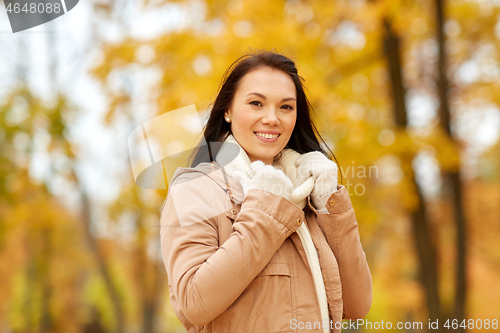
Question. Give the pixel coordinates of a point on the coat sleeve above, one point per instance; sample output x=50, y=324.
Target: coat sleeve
x=340, y=228
x=205, y=277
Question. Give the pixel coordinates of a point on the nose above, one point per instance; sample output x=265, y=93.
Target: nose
x=270, y=117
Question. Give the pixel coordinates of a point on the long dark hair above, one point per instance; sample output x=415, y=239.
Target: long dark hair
x=305, y=137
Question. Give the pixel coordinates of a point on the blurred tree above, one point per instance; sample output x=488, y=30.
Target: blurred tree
x=41, y=251
x=453, y=176
x=425, y=244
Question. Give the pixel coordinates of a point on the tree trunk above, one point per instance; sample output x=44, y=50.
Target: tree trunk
x=425, y=245
x=143, y=274
x=149, y=279
x=453, y=177
x=113, y=292
x=45, y=282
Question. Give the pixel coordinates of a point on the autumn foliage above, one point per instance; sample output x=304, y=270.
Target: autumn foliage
x=373, y=72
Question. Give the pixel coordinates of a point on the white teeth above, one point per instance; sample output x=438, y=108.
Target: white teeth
x=267, y=136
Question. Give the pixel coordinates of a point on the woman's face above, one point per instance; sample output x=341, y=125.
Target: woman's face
x=263, y=113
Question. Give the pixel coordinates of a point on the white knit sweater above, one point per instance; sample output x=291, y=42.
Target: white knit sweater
x=231, y=157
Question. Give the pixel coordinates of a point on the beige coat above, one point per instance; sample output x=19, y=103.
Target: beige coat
x=240, y=267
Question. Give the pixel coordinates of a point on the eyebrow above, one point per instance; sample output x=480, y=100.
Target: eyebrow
x=264, y=97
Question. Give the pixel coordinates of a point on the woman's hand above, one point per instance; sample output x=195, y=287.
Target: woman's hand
x=324, y=173
x=267, y=178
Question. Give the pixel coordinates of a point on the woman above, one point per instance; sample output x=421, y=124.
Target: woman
x=262, y=239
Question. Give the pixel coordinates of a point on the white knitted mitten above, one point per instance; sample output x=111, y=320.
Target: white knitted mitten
x=267, y=178
x=324, y=172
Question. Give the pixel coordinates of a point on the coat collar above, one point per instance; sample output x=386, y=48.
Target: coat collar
x=214, y=172
x=228, y=184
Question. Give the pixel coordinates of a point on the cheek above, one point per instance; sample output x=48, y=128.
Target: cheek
x=244, y=121
x=290, y=124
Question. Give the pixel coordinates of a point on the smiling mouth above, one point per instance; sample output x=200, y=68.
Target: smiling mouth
x=267, y=136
